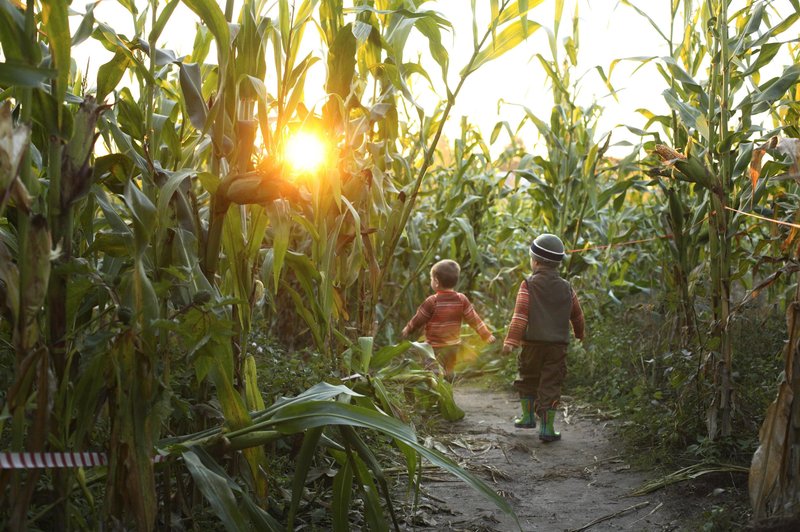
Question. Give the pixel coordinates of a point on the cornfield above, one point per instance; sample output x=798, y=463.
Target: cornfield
x=154, y=230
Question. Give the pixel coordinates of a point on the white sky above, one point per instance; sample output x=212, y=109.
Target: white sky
x=608, y=31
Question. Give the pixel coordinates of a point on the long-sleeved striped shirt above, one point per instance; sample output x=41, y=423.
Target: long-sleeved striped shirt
x=519, y=321
x=442, y=315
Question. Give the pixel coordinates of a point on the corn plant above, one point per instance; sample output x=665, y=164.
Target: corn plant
x=362, y=207
x=145, y=260
x=573, y=178
x=773, y=483
x=713, y=151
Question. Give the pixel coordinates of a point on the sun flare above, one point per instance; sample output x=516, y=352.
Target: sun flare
x=305, y=152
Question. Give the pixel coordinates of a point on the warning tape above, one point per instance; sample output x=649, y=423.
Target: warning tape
x=57, y=460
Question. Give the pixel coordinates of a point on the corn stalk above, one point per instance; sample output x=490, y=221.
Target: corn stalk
x=774, y=482
x=564, y=183
x=26, y=286
x=711, y=159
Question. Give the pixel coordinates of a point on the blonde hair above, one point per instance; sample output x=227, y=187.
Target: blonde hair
x=446, y=272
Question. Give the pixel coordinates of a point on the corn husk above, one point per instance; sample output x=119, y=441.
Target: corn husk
x=76, y=173
x=9, y=285
x=689, y=168
x=773, y=471
x=260, y=187
x=765, y=467
x=14, y=141
x=788, y=147
x=33, y=294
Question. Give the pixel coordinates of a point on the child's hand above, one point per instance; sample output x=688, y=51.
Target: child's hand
x=491, y=339
x=405, y=333
x=507, y=349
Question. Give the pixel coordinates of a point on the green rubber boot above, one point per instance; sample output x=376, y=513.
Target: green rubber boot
x=526, y=421
x=546, y=431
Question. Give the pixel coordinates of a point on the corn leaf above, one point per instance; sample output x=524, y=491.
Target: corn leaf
x=112, y=42
x=210, y=13
x=365, y=345
x=17, y=47
x=368, y=458
x=56, y=27
x=144, y=216
x=162, y=20
x=319, y=392
x=192, y=88
x=431, y=29
x=216, y=489
x=765, y=55
x=469, y=236
x=447, y=404
x=386, y=354
x=765, y=468
x=308, y=317
x=252, y=392
x=512, y=35
x=365, y=484
x=110, y=74
x=302, y=465
x=341, y=63
x=771, y=91
x=516, y=10
x=342, y=494
x=279, y=218
x=21, y=75
x=301, y=416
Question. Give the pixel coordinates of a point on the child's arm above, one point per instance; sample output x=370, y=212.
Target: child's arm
x=576, y=318
x=475, y=321
x=519, y=321
x=424, y=313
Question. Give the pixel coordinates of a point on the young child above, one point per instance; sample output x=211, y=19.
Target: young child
x=546, y=305
x=442, y=314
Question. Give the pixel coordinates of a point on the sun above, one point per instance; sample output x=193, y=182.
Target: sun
x=305, y=152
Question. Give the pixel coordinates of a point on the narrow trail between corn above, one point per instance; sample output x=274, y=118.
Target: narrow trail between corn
x=560, y=486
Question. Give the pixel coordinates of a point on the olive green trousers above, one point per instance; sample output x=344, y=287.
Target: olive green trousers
x=541, y=370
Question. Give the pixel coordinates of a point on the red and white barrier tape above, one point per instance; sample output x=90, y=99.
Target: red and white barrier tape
x=56, y=460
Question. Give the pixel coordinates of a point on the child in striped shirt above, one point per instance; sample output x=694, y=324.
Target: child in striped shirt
x=442, y=315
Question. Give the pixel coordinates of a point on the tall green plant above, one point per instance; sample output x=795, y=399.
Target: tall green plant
x=571, y=179
x=713, y=154
x=159, y=239
x=773, y=483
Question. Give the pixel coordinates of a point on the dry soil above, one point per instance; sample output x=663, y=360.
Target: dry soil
x=579, y=483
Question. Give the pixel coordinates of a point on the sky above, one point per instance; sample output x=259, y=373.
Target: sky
x=609, y=30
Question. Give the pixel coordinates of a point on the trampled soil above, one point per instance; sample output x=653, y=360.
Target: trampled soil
x=560, y=486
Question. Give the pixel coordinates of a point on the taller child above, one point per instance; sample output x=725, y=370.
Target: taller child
x=546, y=305
x=442, y=314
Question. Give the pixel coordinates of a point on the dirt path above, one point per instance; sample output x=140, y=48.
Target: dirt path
x=552, y=487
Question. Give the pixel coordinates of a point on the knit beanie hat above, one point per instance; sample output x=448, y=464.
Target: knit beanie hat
x=547, y=248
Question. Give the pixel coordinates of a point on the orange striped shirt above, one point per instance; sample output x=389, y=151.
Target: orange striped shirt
x=519, y=321
x=442, y=315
